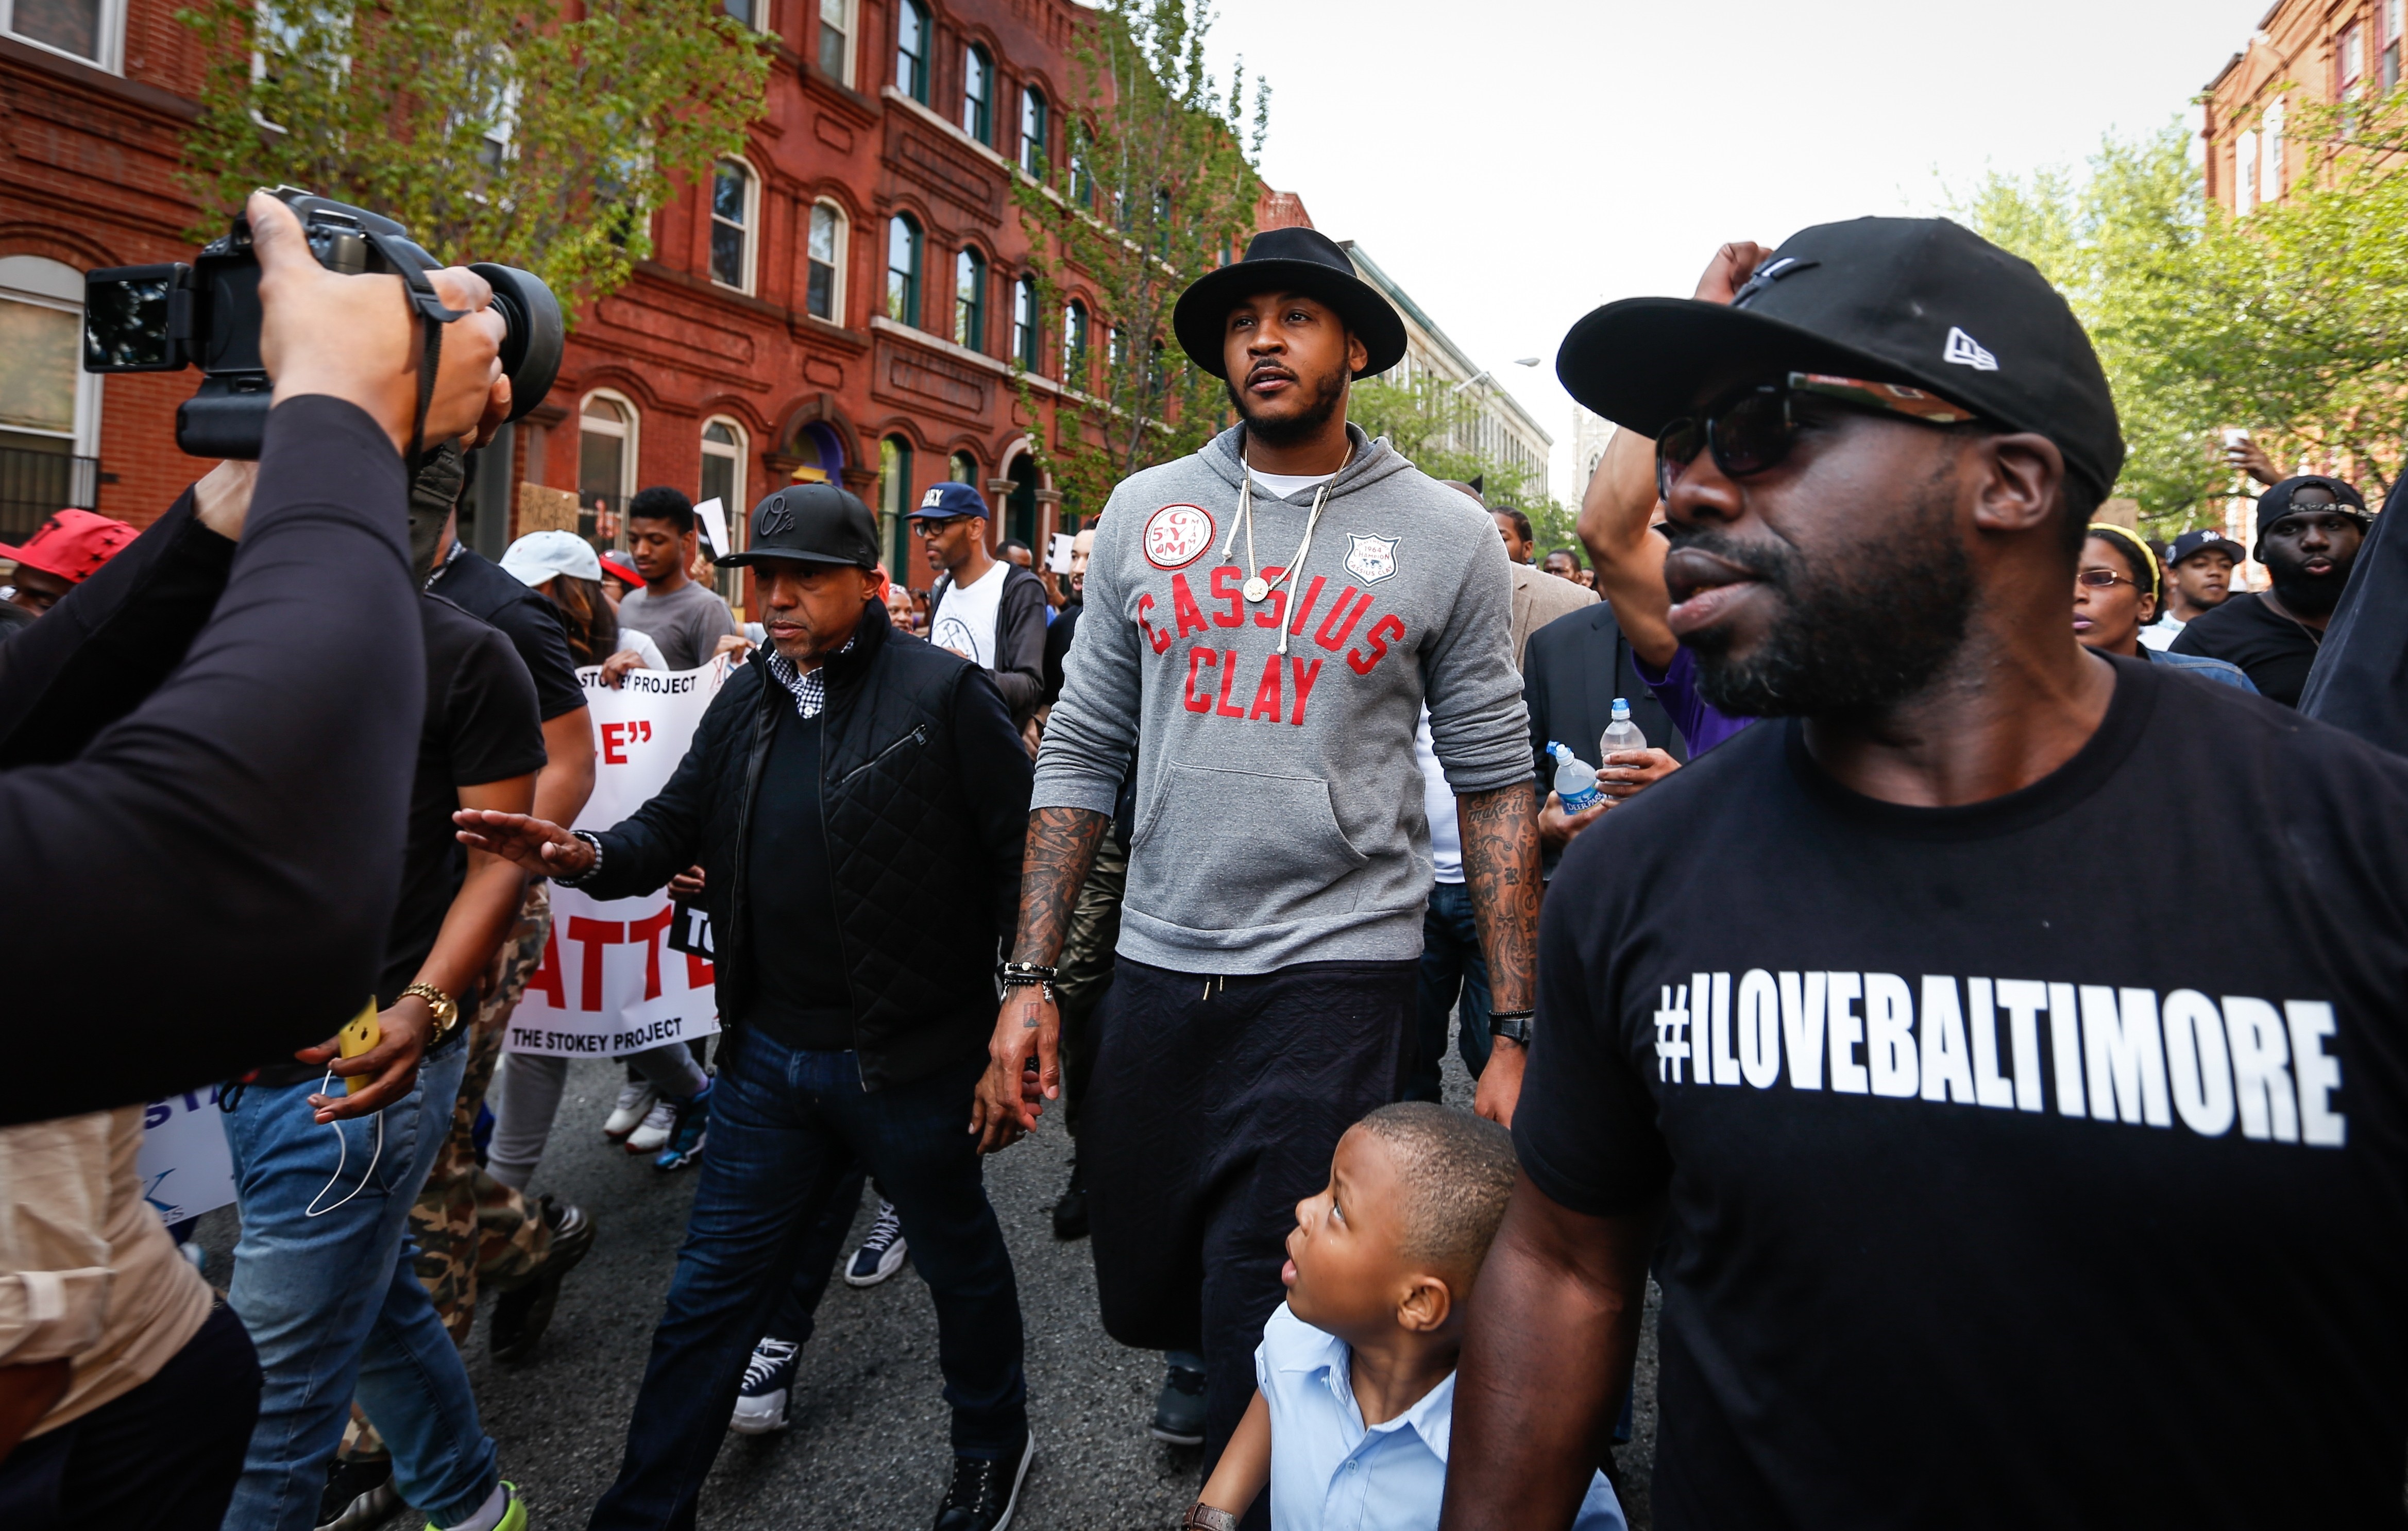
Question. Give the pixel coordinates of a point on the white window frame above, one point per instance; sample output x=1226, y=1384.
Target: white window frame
x=738, y=505
x=630, y=432
x=751, y=228
x=39, y=282
x=2244, y=172
x=1032, y=95
x=2270, y=170
x=851, y=12
x=841, y=258
x=111, y=39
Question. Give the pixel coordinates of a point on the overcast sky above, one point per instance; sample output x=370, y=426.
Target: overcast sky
x=1513, y=163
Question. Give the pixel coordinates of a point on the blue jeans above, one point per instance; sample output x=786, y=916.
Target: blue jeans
x=791, y=1130
x=335, y=1307
x=1450, y=964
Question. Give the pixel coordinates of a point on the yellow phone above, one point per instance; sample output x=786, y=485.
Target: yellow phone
x=357, y=1038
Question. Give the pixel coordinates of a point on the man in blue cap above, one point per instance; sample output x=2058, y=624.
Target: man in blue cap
x=989, y=611
x=856, y=800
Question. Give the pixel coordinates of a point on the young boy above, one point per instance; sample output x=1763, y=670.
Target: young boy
x=1355, y=1373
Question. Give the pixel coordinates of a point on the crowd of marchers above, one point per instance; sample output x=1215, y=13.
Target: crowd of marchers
x=1788, y=866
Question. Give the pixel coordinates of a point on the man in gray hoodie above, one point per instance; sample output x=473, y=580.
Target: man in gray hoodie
x=1264, y=622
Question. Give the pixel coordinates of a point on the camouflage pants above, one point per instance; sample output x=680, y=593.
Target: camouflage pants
x=472, y=1231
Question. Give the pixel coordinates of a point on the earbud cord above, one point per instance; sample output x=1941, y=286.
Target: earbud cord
x=343, y=1153
x=1246, y=515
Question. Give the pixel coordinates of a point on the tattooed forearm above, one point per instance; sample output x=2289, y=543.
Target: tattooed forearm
x=1500, y=866
x=1061, y=846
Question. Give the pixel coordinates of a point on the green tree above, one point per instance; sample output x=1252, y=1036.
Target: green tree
x=1155, y=184
x=507, y=132
x=1429, y=419
x=2291, y=322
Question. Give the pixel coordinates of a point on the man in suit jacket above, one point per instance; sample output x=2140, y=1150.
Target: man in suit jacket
x=1574, y=669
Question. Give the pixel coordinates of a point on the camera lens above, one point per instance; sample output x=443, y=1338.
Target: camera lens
x=531, y=348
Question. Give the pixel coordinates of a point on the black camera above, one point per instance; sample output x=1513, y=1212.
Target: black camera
x=166, y=318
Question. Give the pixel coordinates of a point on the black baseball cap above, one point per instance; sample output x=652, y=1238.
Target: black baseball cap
x=813, y=524
x=1913, y=300
x=2273, y=505
x=2205, y=540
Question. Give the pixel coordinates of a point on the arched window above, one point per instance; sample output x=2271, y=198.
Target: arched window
x=836, y=40
x=1115, y=345
x=969, y=300
x=1082, y=179
x=606, y=466
x=734, y=195
x=822, y=284
x=1023, y=322
x=722, y=479
x=1032, y=132
x=963, y=469
x=903, y=270
x=912, y=50
x=978, y=93
x=49, y=407
x=894, y=503
x=1074, y=345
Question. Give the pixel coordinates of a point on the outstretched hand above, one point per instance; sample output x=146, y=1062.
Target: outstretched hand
x=537, y=844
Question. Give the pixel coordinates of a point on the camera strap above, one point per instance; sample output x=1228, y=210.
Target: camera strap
x=433, y=314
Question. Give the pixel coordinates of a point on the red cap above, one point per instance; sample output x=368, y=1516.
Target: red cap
x=618, y=569
x=73, y=545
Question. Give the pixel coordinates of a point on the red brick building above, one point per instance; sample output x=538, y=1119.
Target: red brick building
x=2314, y=51
x=840, y=301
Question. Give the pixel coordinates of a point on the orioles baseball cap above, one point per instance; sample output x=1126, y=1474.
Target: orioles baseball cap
x=71, y=545
x=813, y=524
x=1911, y=300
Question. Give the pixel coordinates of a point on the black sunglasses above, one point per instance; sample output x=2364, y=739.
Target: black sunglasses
x=1753, y=430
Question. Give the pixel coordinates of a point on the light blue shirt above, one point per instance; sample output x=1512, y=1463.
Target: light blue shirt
x=1331, y=1472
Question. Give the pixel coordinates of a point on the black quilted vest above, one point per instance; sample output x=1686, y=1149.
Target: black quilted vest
x=917, y=897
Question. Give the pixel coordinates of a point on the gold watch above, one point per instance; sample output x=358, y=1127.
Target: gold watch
x=446, y=1008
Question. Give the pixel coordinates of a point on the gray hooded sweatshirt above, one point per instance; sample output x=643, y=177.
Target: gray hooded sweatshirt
x=1278, y=808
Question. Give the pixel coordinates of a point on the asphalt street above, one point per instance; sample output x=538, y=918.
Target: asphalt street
x=866, y=1446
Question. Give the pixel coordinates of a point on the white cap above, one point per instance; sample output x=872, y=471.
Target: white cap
x=540, y=555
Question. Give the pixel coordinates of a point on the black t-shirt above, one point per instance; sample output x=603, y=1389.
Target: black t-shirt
x=2021, y=1194
x=495, y=595
x=2274, y=651
x=802, y=997
x=1057, y=648
x=481, y=727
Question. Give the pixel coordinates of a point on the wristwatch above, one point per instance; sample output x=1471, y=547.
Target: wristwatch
x=446, y=1008
x=1510, y=1026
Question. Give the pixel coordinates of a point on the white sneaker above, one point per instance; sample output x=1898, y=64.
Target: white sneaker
x=761, y=1405
x=659, y=1122
x=881, y=1252
x=627, y=1112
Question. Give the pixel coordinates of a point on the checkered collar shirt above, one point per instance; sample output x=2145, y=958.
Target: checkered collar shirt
x=808, y=686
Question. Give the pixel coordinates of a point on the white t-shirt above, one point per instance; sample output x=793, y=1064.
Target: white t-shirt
x=965, y=617
x=1437, y=801
x=2160, y=633
x=1284, y=484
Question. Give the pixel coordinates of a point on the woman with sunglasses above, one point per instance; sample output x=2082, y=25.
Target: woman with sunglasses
x=2117, y=588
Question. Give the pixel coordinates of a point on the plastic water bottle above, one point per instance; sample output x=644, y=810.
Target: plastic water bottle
x=1575, y=783
x=1621, y=734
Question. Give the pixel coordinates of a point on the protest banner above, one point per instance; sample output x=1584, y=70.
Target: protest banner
x=610, y=982
x=183, y=1162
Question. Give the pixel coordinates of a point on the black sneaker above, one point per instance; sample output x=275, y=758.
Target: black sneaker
x=523, y=1314
x=1179, y=1413
x=359, y=1493
x=1070, y=1212
x=985, y=1493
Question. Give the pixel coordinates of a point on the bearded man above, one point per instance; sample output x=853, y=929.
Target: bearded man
x=2309, y=531
x=1265, y=619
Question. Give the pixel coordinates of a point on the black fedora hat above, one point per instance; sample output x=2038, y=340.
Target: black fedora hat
x=1293, y=259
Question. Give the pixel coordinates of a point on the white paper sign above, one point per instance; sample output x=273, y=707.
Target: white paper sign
x=609, y=983
x=184, y=1161
x=1057, y=553
x=714, y=517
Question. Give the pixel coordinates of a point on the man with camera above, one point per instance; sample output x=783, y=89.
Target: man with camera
x=856, y=800
x=242, y=812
